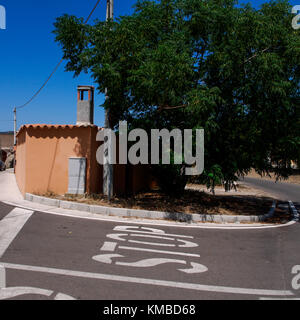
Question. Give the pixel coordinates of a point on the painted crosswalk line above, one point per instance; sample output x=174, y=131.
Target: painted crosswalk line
x=11, y=225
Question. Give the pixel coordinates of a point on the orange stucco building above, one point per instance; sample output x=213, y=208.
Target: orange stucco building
x=44, y=153
x=42, y=161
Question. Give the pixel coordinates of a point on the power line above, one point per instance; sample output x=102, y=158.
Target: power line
x=88, y=18
x=42, y=87
x=56, y=67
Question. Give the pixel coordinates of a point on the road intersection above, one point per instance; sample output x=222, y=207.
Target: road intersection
x=46, y=254
x=85, y=259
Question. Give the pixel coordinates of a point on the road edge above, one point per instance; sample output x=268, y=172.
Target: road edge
x=294, y=211
x=155, y=215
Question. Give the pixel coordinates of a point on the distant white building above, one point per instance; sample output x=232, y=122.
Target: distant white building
x=6, y=140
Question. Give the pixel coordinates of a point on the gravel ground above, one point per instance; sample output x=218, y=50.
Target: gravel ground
x=196, y=199
x=295, y=178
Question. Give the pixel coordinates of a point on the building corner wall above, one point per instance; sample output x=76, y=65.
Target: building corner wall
x=20, y=165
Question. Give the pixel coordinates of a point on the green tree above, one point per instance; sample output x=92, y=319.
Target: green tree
x=232, y=70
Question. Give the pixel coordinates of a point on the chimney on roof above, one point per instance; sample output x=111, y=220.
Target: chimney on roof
x=85, y=108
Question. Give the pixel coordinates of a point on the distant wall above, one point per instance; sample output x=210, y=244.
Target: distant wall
x=20, y=167
x=6, y=140
x=3, y=155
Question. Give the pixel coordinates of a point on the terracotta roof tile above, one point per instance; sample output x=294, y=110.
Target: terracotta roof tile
x=55, y=126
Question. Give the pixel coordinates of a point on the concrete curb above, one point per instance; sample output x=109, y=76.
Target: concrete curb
x=270, y=214
x=134, y=213
x=296, y=216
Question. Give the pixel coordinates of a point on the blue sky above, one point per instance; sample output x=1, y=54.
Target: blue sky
x=28, y=54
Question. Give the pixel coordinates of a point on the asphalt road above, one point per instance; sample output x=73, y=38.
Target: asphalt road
x=284, y=191
x=46, y=256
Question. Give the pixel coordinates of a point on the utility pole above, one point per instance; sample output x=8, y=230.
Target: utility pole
x=109, y=9
x=107, y=164
x=15, y=126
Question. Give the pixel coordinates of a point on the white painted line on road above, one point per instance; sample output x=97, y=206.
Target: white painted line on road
x=186, y=244
x=129, y=229
x=11, y=225
x=96, y=217
x=12, y=292
x=2, y=277
x=64, y=297
x=160, y=251
x=121, y=236
x=196, y=268
x=296, y=215
x=153, y=243
x=8, y=293
x=150, y=236
x=160, y=233
x=106, y=258
x=267, y=298
x=146, y=263
x=116, y=236
x=108, y=246
x=154, y=282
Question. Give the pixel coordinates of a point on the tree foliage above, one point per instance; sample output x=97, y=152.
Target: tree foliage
x=230, y=69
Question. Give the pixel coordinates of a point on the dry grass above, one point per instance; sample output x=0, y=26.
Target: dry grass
x=191, y=202
x=294, y=178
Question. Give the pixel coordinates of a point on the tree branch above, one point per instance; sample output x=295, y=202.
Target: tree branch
x=256, y=54
x=167, y=107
